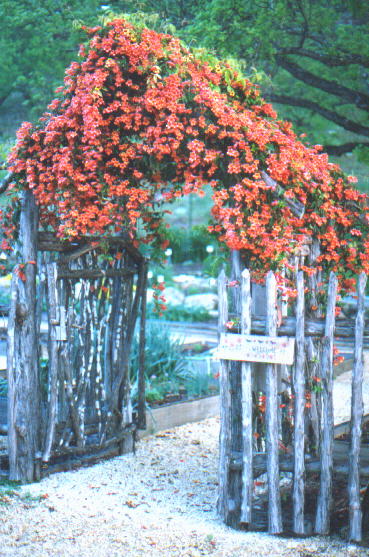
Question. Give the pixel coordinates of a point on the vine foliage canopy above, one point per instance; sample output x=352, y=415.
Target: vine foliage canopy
x=141, y=120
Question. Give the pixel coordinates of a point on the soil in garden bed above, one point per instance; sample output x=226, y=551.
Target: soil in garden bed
x=364, y=435
x=196, y=348
x=170, y=399
x=339, y=515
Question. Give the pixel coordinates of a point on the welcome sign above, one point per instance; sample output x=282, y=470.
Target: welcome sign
x=256, y=348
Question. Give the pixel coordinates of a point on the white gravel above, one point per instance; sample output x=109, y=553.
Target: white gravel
x=160, y=501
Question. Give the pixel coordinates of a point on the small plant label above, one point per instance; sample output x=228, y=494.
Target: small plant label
x=256, y=348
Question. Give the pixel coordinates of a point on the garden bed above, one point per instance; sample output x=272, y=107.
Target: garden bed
x=342, y=431
x=179, y=413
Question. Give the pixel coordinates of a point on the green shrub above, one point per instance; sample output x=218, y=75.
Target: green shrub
x=180, y=313
x=190, y=245
x=3, y=387
x=165, y=271
x=214, y=263
x=198, y=381
x=164, y=357
x=168, y=369
x=4, y=296
x=8, y=490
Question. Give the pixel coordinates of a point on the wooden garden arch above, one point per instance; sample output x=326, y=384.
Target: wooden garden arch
x=141, y=113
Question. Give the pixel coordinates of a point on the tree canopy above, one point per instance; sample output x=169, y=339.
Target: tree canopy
x=316, y=54
x=38, y=40
x=311, y=57
x=141, y=120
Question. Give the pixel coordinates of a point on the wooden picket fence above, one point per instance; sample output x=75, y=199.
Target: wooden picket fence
x=240, y=461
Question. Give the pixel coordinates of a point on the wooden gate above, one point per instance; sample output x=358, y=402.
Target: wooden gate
x=71, y=324
x=278, y=420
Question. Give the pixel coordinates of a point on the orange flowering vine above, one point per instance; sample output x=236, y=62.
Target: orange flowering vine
x=141, y=120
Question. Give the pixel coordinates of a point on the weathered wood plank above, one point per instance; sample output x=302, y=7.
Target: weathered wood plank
x=271, y=414
x=235, y=387
x=115, y=329
x=75, y=461
x=313, y=354
x=355, y=512
x=295, y=205
x=77, y=253
x=256, y=348
x=141, y=406
x=22, y=356
x=128, y=326
x=87, y=448
x=70, y=394
x=314, y=327
x=299, y=407
x=314, y=280
x=94, y=273
x=47, y=241
x=225, y=408
x=11, y=370
x=246, y=379
x=54, y=320
x=286, y=464
x=122, y=373
x=322, y=521
x=4, y=184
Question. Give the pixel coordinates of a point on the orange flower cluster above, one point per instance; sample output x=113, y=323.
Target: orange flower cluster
x=140, y=120
x=159, y=299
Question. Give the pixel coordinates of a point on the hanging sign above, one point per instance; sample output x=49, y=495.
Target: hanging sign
x=256, y=348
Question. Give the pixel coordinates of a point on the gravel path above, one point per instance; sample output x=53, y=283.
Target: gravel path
x=160, y=501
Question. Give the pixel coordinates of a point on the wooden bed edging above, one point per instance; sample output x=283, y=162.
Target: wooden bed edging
x=180, y=413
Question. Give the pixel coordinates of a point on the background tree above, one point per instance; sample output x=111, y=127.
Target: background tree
x=311, y=57
x=315, y=52
x=38, y=40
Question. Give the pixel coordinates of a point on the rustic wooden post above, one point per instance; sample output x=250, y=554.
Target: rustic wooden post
x=54, y=321
x=246, y=380
x=322, y=521
x=121, y=379
x=313, y=355
x=355, y=533
x=299, y=390
x=225, y=407
x=236, y=276
x=235, y=372
x=314, y=279
x=272, y=440
x=22, y=353
x=141, y=407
